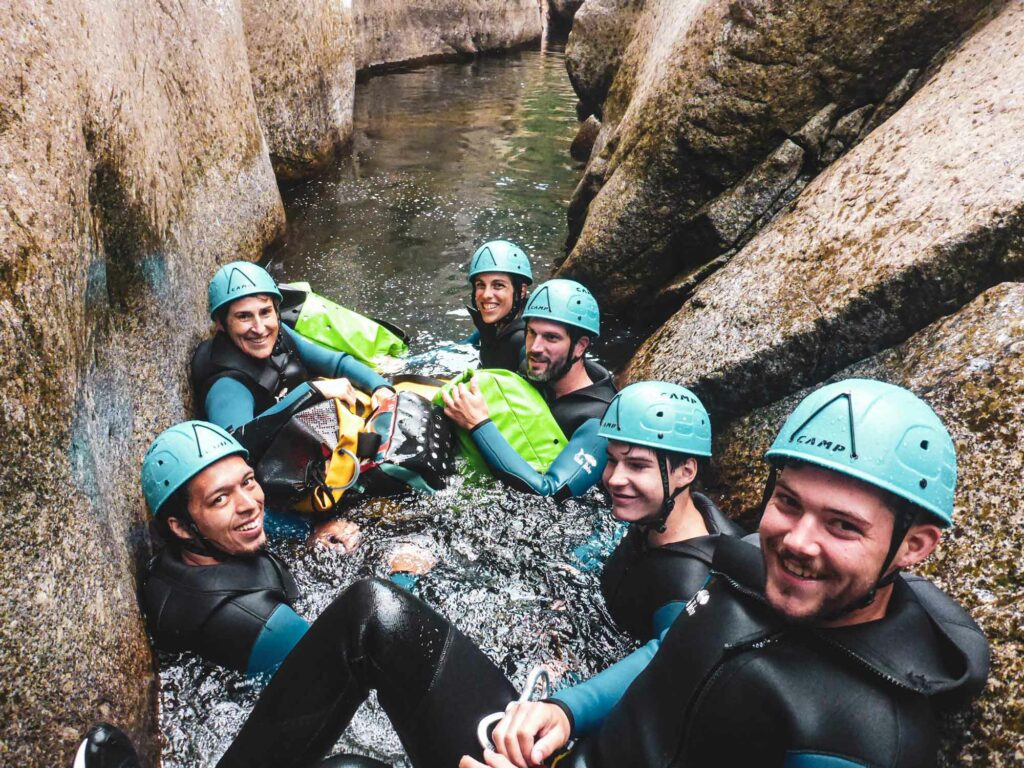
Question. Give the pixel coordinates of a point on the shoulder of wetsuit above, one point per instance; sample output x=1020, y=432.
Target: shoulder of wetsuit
x=257, y=435
x=741, y=561
x=927, y=642
x=715, y=519
x=505, y=349
x=638, y=580
x=216, y=611
x=218, y=358
x=574, y=409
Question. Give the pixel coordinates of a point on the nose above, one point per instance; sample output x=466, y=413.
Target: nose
x=614, y=476
x=259, y=324
x=536, y=344
x=248, y=500
x=803, y=537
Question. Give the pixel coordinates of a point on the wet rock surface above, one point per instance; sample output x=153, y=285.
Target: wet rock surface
x=923, y=215
x=704, y=93
x=128, y=172
x=390, y=32
x=969, y=368
x=302, y=59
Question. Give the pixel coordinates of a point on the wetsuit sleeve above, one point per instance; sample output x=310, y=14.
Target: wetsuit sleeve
x=473, y=338
x=229, y=403
x=257, y=434
x=279, y=635
x=331, y=364
x=575, y=470
x=588, y=703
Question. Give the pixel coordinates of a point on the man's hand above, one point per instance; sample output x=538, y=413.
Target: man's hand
x=380, y=396
x=527, y=736
x=465, y=405
x=337, y=534
x=337, y=389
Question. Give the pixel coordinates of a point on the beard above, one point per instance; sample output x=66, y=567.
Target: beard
x=555, y=369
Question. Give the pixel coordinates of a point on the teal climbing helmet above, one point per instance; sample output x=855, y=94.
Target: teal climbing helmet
x=566, y=302
x=181, y=452
x=501, y=256
x=879, y=433
x=658, y=415
x=237, y=280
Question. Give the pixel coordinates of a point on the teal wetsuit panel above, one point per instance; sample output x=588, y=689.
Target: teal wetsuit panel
x=818, y=760
x=573, y=472
x=279, y=635
x=332, y=364
x=591, y=701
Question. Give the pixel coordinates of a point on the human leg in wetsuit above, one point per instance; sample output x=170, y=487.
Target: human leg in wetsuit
x=432, y=681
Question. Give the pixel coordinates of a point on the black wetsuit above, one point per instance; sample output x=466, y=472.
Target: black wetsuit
x=732, y=684
x=571, y=411
x=639, y=579
x=501, y=346
x=218, y=611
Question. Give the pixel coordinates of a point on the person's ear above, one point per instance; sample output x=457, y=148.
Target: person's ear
x=178, y=528
x=685, y=472
x=581, y=346
x=919, y=542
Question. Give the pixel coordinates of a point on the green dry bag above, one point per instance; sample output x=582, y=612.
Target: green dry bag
x=332, y=325
x=520, y=414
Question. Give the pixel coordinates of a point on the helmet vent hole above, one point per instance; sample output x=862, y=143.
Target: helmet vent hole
x=923, y=483
x=167, y=482
x=661, y=436
x=924, y=445
x=159, y=462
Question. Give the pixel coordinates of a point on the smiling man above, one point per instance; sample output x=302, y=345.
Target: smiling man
x=814, y=652
x=215, y=589
x=562, y=320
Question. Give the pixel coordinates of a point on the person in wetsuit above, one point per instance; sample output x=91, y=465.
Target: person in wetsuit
x=562, y=320
x=255, y=373
x=254, y=366
x=215, y=589
x=810, y=651
x=499, y=274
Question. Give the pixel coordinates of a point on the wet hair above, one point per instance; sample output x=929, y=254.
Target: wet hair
x=175, y=506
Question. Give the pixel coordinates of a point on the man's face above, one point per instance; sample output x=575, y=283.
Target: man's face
x=252, y=324
x=824, y=537
x=549, y=350
x=633, y=480
x=226, y=504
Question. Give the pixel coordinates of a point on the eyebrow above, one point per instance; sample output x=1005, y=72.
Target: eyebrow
x=779, y=482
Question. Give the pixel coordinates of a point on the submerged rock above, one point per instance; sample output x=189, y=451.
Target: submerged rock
x=394, y=31
x=302, y=57
x=132, y=162
x=970, y=368
x=915, y=221
x=705, y=92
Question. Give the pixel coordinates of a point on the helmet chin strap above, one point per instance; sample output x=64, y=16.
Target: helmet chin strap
x=659, y=520
x=200, y=545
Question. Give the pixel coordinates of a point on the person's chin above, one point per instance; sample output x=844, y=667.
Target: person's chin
x=260, y=351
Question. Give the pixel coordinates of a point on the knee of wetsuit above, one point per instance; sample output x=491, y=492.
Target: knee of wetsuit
x=374, y=604
x=352, y=761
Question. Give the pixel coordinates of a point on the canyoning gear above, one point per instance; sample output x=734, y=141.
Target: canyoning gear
x=638, y=579
x=500, y=256
x=236, y=280
x=539, y=677
x=573, y=409
x=731, y=665
x=178, y=454
x=231, y=388
x=664, y=417
x=266, y=380
x=432, y=682
x=518, y=411
x=576, y=467
x=336, y=327
x=328, y=450
x=501, y=346
x=659, y=415
x=106, y=746
x=882, y=435
x=566, y=302
x=216, y=611
x=878, y=433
